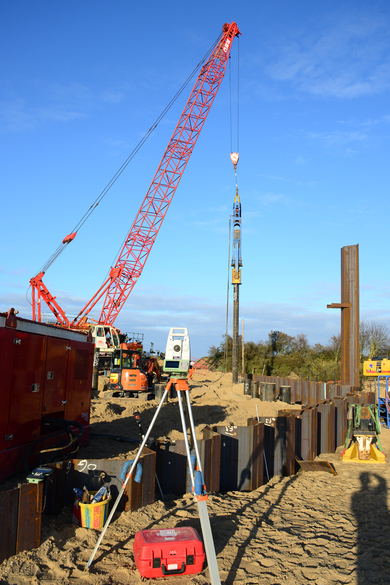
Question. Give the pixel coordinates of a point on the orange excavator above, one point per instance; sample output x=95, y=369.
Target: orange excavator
x=133, y=372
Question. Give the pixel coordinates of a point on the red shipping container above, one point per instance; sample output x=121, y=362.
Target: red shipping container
x=164, y=552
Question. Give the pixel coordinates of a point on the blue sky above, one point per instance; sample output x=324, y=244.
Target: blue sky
x=82, y=82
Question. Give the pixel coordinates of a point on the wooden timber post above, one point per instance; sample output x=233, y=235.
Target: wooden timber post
x=349, y=315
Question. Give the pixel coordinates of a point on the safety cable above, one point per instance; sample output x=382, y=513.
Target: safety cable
x=103, y=193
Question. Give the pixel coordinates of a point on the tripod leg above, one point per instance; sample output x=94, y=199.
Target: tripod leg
x=208, y=542
x=202, y=509
x=201, y=500
x=183, y=424
x=192, y=426
x=128, y=476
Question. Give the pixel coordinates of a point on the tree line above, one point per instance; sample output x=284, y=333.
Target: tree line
x=284, y=355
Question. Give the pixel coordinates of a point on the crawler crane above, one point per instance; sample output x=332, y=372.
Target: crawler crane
x=142, y=235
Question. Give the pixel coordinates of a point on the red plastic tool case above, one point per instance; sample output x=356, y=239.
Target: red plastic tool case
x=164, y=552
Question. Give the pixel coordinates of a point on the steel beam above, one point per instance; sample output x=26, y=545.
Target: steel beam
x=349, y=315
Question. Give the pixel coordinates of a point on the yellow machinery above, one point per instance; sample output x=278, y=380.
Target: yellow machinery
x=376, y=367
x=363, y=435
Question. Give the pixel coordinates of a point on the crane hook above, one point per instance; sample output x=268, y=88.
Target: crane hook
x=234, y=156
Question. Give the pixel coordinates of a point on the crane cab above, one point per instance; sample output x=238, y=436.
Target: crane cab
x=105, y=337
x=126, y=377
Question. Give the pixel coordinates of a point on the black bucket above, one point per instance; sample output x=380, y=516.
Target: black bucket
x=267, y=392
x=247, y=387
x=95, y=479
x=285, y=394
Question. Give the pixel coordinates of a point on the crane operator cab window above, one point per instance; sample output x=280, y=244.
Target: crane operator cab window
x=111, y=337
x=126, y=359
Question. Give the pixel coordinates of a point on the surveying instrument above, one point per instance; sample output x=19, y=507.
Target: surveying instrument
x=176, y=364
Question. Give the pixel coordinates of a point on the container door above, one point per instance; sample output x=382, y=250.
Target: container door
x=6, y=358
x=24, y=422
x=79, y=384
x=55, y=376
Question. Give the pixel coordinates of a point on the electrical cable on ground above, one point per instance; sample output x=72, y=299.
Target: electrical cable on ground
x=115, y=438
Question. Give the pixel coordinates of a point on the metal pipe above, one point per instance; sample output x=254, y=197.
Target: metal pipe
x=236, y=309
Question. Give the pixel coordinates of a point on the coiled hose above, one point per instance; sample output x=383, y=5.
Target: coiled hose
x=64, y=425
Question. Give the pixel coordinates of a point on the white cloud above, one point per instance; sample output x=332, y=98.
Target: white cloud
x=338, y=139
x=271, y=199
x=113, y=97
x=347, y=60
x=57, y=103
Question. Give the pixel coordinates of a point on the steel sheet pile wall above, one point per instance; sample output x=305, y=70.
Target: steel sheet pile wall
x=301, y=435
x=305, y=392
x=233, y=458
x=172, y=465
x=242, y=458
x=326, y=417
x=20, y=519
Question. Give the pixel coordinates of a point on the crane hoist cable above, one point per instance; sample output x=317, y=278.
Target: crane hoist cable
x=69, y=238
x=238, y=99
x=234, y=156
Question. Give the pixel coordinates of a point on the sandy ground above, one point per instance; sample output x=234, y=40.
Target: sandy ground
x=313, y=527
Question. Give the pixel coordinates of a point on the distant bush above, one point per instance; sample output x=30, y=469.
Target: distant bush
x=282, y=354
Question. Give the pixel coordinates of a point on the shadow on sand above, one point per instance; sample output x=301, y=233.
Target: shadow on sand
x=369, y=506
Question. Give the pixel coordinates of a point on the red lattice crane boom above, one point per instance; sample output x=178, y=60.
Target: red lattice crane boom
x=147, y=223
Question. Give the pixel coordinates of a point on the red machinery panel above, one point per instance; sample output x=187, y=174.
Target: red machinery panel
x=46, y=375
x=6, y=354
x=78, y=397
x=24, y=422
x=54, y=391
